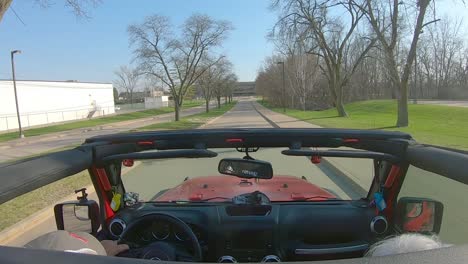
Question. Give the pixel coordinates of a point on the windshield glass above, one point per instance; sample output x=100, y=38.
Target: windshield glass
x=295, y=179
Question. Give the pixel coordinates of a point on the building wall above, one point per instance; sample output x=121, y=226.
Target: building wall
x=244, y=89
x=156, y=102
x=44, y=102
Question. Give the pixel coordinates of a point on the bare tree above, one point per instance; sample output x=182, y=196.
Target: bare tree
x=177, y=60
x=230, y=82
x=445, y=42
x=4, y=5
x=127, y=80
x=223, y=80
x=216, y=81
x=206, y=83
x=329, y=37
x=385, y=19
x=78, y=7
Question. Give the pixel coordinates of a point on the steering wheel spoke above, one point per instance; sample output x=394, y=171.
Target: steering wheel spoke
x=163, y=248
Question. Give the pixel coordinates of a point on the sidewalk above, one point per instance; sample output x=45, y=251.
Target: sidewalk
x=360, y=171
x=20, y=148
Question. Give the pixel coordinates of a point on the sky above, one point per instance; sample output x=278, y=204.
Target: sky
x=57, y=46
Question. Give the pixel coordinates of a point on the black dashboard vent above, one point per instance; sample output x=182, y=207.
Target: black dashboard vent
x=116, y=227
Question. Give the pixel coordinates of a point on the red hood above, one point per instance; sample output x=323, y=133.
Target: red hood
x=279, y=188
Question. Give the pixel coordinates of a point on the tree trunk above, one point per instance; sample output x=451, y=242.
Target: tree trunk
x=402, y=120
x=339, y=100
x=339, y=104
x=340, y=108
x=176, y=109
x=207, y=106
x=225, y=99
x=219, y=101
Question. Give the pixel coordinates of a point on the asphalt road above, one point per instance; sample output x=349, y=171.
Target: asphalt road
x=444, y=102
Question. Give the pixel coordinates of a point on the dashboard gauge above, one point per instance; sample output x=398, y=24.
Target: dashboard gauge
x=160, y=230
x=145, y=235
x=180, y=234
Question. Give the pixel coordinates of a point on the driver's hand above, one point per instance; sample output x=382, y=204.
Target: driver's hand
x=112, y=248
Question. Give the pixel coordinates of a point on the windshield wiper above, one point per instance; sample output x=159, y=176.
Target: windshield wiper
x=202, y=200
x=318, y=198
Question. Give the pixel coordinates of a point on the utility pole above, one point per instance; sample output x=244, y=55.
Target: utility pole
x=21, y=135
x=283, y=100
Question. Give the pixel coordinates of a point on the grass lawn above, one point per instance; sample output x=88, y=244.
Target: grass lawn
x=27, y=204
x=96, y=121
x=431, y=124
x=192, y=121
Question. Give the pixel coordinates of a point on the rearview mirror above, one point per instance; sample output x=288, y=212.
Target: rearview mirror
x=419, y=215
x=248, y=169
x=78, y=216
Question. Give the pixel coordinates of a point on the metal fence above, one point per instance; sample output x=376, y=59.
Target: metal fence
x=9, y=122
x=35, y=119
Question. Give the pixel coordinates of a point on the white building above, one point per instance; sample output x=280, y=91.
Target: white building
x=156, y=100
x=45, y=102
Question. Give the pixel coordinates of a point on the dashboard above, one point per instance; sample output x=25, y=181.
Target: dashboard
x=163, y=231
x=268, y=233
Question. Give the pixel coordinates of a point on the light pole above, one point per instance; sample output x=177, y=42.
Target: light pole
x=14, y=87
x=284, y=88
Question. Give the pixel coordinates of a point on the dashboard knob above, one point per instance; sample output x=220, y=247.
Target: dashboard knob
x=227, y=259
x=271, y=258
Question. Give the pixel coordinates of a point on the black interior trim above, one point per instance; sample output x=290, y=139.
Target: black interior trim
x=12, y=255
x=440, y=161
x=23, y=176
x=335, y=250
x=342, y=153
x=167, y=154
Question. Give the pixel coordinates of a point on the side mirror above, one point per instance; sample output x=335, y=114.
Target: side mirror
x=244, y=168
x=419, y=215
x=78, y=216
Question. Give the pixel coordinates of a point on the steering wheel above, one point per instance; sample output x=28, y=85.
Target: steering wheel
x=126, y=234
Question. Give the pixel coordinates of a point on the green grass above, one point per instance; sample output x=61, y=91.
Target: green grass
x=27, y=204
x=431, y=124
x=96, y=121
x=192, y=121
